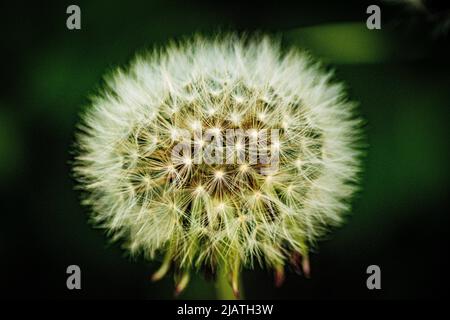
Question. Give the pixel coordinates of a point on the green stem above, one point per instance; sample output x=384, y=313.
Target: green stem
x=224, y=290
x=223, y=286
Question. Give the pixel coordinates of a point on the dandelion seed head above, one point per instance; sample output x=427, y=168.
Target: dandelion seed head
x=230, y=214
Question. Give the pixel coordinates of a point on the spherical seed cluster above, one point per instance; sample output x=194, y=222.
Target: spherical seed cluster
x=232, y=212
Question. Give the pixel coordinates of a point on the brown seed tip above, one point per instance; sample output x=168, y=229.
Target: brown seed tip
x=156, y=276
x=236, y=293
x=295, y=261
x=161, y=272
x=306, y=266
x=182, y=284
x=279, y=276
x=235, y=287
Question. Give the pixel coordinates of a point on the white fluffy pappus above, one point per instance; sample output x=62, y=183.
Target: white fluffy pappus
x=223, y=216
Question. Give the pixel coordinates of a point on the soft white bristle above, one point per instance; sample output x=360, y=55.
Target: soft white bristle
x=215, y=214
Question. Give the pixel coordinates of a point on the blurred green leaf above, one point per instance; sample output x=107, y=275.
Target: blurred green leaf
x=353, y=43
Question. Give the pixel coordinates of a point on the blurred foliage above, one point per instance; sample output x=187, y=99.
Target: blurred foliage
x=11, y=146
x=398, y=74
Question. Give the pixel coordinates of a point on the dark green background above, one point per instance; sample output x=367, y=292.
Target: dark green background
x=400, y=75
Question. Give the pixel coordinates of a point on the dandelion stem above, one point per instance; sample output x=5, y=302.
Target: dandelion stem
x=224, y=291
